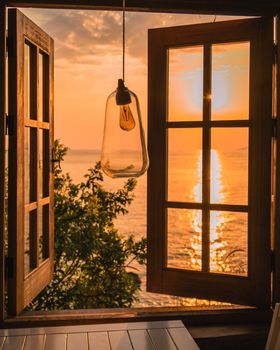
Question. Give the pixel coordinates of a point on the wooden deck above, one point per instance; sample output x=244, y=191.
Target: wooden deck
x=166, y=335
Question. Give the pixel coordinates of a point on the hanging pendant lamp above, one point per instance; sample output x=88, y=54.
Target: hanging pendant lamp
x=124, y=152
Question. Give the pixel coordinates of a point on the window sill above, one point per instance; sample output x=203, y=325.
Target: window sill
x=191, y=316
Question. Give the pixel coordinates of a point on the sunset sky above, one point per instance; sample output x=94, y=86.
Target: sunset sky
x=88, y=64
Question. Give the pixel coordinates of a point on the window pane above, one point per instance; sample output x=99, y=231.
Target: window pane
x=184, y=165
x=43, y=229
x=230, y=81
x=26, y=244
x=229, y=165
x=46, y=163
x=46, y=97
x=185, y=83
x=40, y=165
x=27, y=165
x=184, y=239
x=229, y=243
x=26, y=81
x=40, y=235
x=40, y=87
x=33, y=164
x=46, y=230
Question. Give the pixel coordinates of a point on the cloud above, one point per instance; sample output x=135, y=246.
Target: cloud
x=85, y=37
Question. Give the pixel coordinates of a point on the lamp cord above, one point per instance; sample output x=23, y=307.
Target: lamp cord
x=123, y=38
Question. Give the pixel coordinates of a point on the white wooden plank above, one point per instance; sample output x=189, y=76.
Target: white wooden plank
x=92, y=328
x=55, y=342
x=77, y=341
x=161, y=339
x=34, y=342
x=119, y=340
x=182, y=339
x=140, y=340
x=14, y=343
x=98, y=341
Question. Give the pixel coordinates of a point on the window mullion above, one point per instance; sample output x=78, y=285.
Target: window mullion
x=206, y=158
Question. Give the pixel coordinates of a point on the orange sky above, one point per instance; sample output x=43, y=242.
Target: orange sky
x=88, y=64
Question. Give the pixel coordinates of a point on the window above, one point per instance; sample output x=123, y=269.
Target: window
x=30, y=249
x=210, y=85
x=199, y=131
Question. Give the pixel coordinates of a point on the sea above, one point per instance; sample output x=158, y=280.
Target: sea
x=228, y=230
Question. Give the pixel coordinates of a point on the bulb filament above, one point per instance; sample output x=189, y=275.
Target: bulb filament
x=127, y=121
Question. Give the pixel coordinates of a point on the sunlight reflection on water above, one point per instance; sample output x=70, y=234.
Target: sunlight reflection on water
x=228, y=230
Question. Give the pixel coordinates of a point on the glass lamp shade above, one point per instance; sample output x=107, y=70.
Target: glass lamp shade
x=124, y=152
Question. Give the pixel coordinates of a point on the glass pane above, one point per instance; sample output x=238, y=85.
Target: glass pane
x=185, y=83
x=26, y=81
x=184, y=239
x=40, y=235
x=229, y=165
x=33, y=164
x=46, y=231
x=27, y=263
x=33, y=238
x=46, y=97
x=43, y=229
x=229, y=243
x=40, y=165
x=46, y=163
x=40, y=88
x=26, y=165
x=185, y=165
x=230, y=81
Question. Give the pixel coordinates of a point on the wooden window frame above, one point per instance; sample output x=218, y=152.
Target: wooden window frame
x=253, y=289
x=23, y=286
x=216, y=7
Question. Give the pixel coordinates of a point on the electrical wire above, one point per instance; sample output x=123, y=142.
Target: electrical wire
x=123, y=38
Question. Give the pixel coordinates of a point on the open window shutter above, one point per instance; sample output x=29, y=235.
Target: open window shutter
x=202, y=245
x=30, y=204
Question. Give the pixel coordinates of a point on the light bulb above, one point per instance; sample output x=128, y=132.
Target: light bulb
x=127, y=121
x=124, y=152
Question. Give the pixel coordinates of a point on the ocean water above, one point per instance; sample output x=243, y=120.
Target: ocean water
x=228, y=231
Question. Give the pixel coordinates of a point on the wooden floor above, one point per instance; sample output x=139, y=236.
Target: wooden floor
x=166, y=335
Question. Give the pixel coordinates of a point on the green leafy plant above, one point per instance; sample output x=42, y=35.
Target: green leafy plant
x=92, y=260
